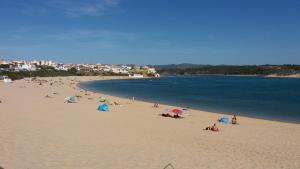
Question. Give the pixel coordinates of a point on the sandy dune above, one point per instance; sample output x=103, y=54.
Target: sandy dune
x=45, y=133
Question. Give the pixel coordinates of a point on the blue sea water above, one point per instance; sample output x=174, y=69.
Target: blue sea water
x=259, y=97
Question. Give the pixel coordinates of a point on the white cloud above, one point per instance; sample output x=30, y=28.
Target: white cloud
x=26, y=29
x=92, y=34
x=91, y=38
x=69, y=8
x=72, y=8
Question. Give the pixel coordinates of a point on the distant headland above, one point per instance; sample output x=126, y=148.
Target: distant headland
x=16, y=69
x=286, y=70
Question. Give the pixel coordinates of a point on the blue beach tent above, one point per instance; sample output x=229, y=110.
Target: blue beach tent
x=103, y=107
x=224, y=120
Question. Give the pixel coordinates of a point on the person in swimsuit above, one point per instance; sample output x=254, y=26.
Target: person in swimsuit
x=234, y=120
x=212, y=128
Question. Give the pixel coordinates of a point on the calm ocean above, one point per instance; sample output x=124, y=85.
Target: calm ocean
x=259, y=97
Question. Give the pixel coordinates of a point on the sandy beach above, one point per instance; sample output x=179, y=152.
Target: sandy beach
x=38, y=132
x=287, y=76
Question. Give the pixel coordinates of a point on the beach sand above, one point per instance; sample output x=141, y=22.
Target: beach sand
x=286, y=76
x=45, y=133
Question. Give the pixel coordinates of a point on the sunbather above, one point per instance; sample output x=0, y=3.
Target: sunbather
x=176, y=116
x=165, y=114
x=234, y=120
x=212, y=128
x=117, y=104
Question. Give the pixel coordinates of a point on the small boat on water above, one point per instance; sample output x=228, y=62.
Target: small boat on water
x=5, y=79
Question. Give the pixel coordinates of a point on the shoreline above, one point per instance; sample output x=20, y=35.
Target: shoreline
x=174, y=105
x=296, y=76
x=44, y=132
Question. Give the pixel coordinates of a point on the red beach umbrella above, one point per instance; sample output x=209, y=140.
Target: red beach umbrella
x=177, y=111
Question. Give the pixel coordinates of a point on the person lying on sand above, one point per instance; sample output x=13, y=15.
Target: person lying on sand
x=212, y=128
x=117, y=104
x=166, y=114
x=234, y=120
x=176, y=116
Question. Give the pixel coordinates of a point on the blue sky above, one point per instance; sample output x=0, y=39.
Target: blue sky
x=152, y=31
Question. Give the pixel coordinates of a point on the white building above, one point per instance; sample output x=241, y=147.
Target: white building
x=119, y=70
x=62, y=67
x=23, y=66
x=127, y=67
x=5, y=79
x=44, y=63
x=151, y=70
x=106, y=68
x=136, y=76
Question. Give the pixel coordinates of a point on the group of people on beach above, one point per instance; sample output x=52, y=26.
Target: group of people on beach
x=215, y=128
x=212, y=128
x=166, y=114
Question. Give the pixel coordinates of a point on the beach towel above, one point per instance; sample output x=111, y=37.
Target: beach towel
x=224, y=120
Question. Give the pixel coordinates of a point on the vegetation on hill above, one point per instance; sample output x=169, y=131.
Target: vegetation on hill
x=281, y=70
x=47, y=71
x=181, y=69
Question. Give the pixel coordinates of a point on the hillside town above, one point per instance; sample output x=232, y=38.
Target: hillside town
x=132, y=70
